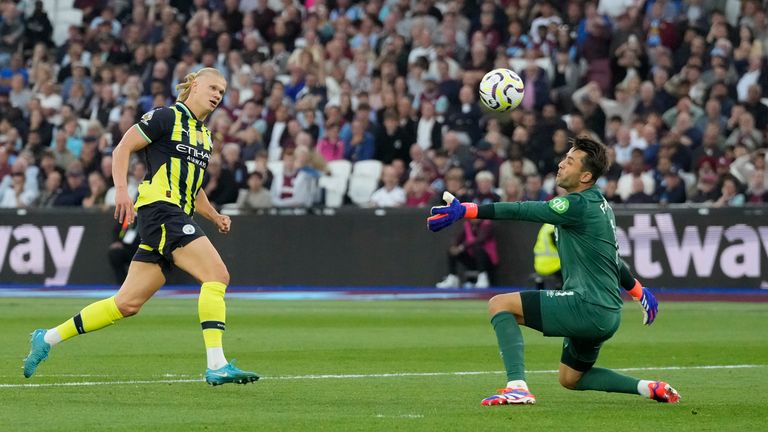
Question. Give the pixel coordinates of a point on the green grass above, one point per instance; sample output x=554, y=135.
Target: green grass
x=282, y=340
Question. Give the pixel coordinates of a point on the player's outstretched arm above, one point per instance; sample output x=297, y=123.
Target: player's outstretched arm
x=558, y=211
x=638, y=292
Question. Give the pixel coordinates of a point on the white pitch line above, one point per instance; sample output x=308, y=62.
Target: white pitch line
x=357, y=376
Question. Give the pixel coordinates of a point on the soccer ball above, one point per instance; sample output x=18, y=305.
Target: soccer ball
x=501, y=90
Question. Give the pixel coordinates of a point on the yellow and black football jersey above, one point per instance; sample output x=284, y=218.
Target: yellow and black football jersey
x=177, y=156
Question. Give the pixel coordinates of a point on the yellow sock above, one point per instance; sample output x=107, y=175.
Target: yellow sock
x=93, y=317
x=212, y=312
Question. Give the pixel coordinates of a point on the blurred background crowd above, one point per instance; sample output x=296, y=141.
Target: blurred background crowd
x=323, y=94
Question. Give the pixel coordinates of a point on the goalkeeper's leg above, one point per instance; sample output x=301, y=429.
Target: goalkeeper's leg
x=576, y=374
x=201, y=260
x=143, y=280
x=506, y=311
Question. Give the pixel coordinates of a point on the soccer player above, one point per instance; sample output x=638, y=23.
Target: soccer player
x=177, y=146
x=587, y=311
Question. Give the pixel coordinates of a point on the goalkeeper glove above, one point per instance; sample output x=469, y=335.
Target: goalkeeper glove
x=647, y=302
x=444, y=216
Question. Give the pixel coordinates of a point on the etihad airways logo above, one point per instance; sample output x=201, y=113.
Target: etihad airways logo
x=737, y=250
x=194, y=154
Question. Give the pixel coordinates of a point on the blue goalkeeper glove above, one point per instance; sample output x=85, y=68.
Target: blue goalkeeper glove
x=443, y=216
x=647, y=301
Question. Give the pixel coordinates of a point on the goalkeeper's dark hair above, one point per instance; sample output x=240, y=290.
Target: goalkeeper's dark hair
x=595, y=161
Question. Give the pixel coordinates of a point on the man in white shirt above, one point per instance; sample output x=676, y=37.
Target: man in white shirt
x=390, y=194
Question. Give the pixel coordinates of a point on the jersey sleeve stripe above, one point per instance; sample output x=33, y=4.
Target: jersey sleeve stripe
x=138, y=128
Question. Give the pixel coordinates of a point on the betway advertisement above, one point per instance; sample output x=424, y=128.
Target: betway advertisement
x=696, y=248
x=723, y=248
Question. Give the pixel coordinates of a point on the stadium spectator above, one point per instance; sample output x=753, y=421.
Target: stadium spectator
x=75, y=188
x=475, y=249
x=97, y=187
x=255, y=196
x=533, y=190
x=390, y=194
x=484, y=193
x=295, y=72
x=330, y=146
x=220, y=184
x=417, y=191
x=730, y=193
x=297, y=185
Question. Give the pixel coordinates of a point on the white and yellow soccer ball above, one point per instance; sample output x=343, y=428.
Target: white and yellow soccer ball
x=501, y=90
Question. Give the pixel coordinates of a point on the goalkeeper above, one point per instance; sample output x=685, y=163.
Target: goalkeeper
x=587, y=311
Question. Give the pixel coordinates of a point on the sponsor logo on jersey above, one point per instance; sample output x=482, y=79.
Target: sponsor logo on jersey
x=559, y=205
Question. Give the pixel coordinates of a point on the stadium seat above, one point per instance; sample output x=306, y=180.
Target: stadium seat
x=364, y=181
x=275, y=167
x=335, y=184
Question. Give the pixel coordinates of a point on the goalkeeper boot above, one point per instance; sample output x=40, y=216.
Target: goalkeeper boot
x=37, y=353
x=510, y=396
x=229, y=374
x=451, y=281
x=663, y=392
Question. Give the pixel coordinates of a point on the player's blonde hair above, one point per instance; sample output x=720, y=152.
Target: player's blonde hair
x=184, y=87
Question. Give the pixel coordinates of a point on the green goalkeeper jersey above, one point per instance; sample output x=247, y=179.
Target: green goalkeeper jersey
x=586, y=240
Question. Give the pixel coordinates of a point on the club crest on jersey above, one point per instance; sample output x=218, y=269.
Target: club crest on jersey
x=559, y=205
x=188, y=229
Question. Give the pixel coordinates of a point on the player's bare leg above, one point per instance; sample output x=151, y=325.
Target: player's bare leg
x=506, y=312
x=143, y=280
x=201, y=260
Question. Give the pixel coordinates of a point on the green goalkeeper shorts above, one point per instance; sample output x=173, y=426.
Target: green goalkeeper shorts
x=585, y=326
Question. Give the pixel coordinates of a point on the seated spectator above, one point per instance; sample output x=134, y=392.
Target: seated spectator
x=487, y=158
x=671, y=189
x=51, y=190
x=417, y=191
x=533, y=190
x=220, y=185
x=390, y=194
x=361, y=144
x=330, y=146
x=746, y=133
x=256, y=196
x=610, y=192
x=638, y=195
x=484, y=193
x=13, y=193
x=706, y=188
x=636, y=170
x=75, y=188
x=757, y=191
x=230, y=159
x=98, y=189
x=297, y=186
x=512, y=190
x=475, y=248
x=730, y=193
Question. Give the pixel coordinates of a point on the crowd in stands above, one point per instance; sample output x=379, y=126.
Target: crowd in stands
x=675, y=89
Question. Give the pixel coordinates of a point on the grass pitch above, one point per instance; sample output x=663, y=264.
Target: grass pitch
x=387, y=365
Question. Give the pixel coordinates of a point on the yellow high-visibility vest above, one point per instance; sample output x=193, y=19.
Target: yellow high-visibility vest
x=546, y=260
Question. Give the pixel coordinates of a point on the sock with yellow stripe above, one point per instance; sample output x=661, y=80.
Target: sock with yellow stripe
x=213, y=313
x=93, y=317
